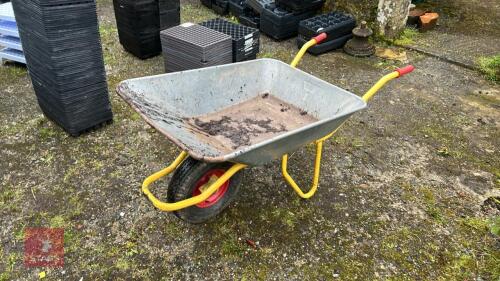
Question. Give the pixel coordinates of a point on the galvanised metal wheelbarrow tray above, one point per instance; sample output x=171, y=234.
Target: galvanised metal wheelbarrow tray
x=226, y=118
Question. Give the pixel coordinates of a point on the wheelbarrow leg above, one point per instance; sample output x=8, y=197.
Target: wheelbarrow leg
x=317, y=168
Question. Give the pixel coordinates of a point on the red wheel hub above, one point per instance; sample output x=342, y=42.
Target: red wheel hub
x=205, y=181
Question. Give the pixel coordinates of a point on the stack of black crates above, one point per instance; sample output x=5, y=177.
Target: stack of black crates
x=245, y=14
x=281, y=20
x=63, y=52
x=221, y=7
x=139, y=24
x=337, y=25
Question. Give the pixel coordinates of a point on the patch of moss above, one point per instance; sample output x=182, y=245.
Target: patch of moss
x=108, y=34
x=286, y=217
x=47, y=132
x=231, y=247
x=494, y=225
x=10, y=196
x=122, y=264
x=432, y=209
x=5, y=276
x=490, y=66
x=407, y=37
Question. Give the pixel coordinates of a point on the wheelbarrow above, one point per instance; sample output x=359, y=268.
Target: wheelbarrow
x=230, y=117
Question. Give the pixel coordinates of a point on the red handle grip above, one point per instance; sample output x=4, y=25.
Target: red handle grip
x=405, y=70
x=320, y=37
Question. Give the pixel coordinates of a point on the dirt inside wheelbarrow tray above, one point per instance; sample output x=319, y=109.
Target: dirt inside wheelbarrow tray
x=250, y=122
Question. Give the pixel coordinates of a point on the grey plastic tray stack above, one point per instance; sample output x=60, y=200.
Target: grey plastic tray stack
x=191, y=46
x=63, y=52
x=246, y=40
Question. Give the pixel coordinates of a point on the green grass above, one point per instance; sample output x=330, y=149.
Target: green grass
x=490, y=66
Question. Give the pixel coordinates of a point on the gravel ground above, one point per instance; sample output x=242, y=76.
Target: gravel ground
x=407, y=192
x=467, y=30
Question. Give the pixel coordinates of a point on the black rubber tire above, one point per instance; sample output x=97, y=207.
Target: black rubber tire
x=184, y=181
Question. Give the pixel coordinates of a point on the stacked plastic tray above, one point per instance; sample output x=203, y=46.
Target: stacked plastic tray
x=281, y=20
x=338, y=26
x=138, y=25
x=10, y=43
x=63, y=52
x=245, y=39
x=280, y=23
x=191, y=46
x=170, y=13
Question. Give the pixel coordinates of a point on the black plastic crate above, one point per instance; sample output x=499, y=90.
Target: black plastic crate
x=246, y=40
x=220, y=7
x=170, y=13
x=207, y=3
x=169, y=18
x=143, y=46
x=324, y=47
x=334, y=24
x=250, y=19
x=301, y=5
x=238, y=7
x=279, y=23
x=168, y=5
x=259, y=5
x=139, y=22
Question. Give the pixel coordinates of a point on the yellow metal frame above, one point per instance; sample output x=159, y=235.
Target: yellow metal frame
x=168, y=207
x=319, y=143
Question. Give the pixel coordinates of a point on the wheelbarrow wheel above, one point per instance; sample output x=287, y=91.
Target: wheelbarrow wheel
x=191, y=178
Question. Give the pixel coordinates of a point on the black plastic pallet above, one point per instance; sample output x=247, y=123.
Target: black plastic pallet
x=281, y=24
x=334, y=24
x=246, y=40
x=301, y=5
x=324, y=47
